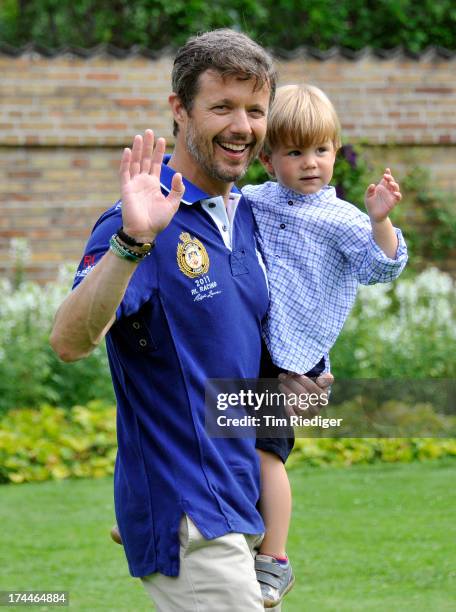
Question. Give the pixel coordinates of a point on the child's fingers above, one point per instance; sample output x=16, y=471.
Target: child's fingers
x=390, y=183
x=389, y=178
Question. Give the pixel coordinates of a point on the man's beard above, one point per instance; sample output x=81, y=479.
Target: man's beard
x=205, y=159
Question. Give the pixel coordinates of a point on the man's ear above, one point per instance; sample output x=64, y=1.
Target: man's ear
x=265, y=159
x=177, y=108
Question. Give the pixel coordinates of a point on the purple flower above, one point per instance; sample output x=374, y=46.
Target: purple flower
x=349, y=153
x=340, y=191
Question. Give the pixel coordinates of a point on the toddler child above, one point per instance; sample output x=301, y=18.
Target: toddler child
x=317, y=248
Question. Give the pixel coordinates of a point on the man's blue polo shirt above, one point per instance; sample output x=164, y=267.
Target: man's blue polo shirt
x=192, y=311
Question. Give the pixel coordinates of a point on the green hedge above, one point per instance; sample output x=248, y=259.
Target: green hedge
x=405, y=329
x=279, y=24
x=352, y=451
x=52, y=443
x=30, y=372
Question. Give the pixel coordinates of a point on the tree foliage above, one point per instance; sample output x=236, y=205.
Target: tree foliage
x=279, y=24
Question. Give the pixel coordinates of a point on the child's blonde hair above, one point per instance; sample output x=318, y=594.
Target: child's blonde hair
x=301, y=116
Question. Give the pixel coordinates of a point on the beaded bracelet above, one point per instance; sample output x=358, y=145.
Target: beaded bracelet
x=123, y=252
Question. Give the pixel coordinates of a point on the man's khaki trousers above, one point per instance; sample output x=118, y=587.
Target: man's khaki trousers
x=215, y=575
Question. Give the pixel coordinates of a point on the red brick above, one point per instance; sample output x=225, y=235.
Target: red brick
x=382, y=90
x=19, y=197
x=411, y=126
x=437, y=90
x=102, y=76
x=24, y=174
x=80, y=163
x=111, y=126
x=11, y=234
x=133, y=102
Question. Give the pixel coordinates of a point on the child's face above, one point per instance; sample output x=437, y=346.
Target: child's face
x=305, y=170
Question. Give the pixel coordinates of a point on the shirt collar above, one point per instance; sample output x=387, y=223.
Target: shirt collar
x=325, y=194
x=192, y=193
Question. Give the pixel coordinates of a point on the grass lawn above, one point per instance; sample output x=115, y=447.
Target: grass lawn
x=371, y=538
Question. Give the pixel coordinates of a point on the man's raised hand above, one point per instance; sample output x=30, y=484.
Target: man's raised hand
x=145, y=210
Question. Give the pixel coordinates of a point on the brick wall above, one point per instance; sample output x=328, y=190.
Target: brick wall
x=64, y=120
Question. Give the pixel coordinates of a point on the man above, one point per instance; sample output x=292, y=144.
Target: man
x=179, y=293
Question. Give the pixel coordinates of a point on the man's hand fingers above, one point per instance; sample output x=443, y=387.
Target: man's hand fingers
x=177, y=191
x=289, y=410
x=299, y=384
x=325, y=380
x=146, y=162
x=124, y=170
x=136, y=154
x=314, y=394
x=157, y=157
x=294, y=408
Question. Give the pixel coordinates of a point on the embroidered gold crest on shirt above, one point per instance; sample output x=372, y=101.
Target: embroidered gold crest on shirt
x=192, y=257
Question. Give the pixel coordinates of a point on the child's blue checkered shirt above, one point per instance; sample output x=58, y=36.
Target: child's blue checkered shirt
x=317, y=248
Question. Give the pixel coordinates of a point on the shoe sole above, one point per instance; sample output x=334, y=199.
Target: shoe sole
x=115, y=535
x=268, y=603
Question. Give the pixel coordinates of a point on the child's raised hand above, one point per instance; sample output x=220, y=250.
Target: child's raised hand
x=380, y=199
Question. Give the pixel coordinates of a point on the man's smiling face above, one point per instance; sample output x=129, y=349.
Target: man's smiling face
x=226, y=125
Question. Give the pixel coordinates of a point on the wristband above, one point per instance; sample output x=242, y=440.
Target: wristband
x=123, y=252
x=144, y=247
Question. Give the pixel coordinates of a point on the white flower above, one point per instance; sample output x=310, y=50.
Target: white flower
x=20, y=250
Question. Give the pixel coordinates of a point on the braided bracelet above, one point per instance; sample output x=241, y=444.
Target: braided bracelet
x=124, y=252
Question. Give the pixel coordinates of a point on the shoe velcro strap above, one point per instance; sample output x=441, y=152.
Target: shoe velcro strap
x=269, y=568
x=266, y=578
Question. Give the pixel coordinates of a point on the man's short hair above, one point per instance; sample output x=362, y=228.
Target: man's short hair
x=301, y=116
x=228, y=53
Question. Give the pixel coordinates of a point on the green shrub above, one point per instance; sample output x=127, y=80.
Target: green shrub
x=51, y=443
x=351, y=451
x=428, y=218
x=406, y=329
x=30, y=372
x=281, y=24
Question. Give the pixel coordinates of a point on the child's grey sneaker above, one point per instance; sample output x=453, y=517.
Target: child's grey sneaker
x=275, y=579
